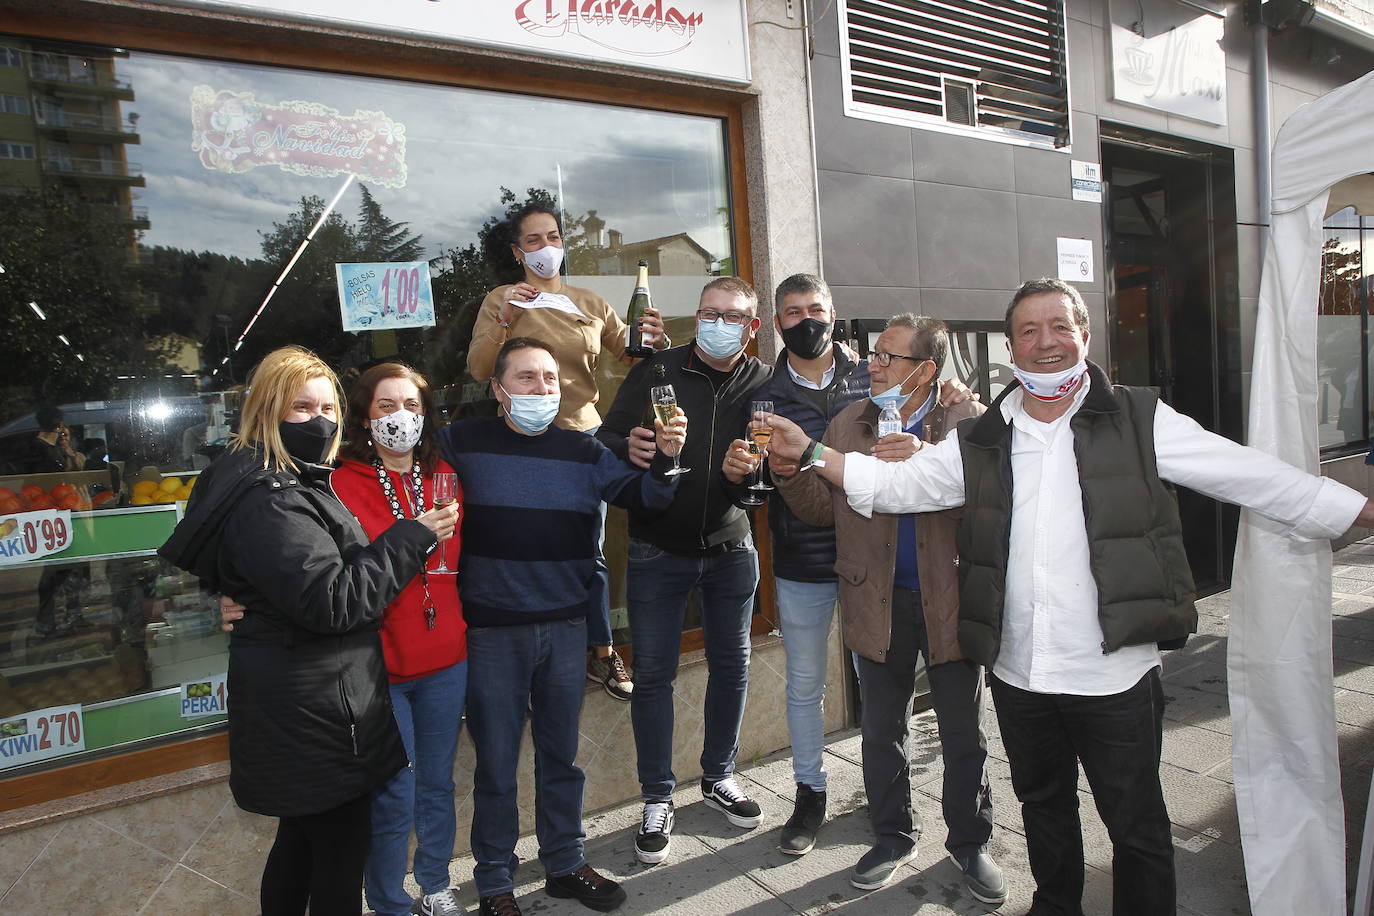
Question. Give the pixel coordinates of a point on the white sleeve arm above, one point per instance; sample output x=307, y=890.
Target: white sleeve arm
x=930, y=480
x=1310, y=507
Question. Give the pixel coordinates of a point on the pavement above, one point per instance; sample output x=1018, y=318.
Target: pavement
x=715, y=868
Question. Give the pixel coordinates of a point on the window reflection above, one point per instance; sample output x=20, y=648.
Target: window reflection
x=168, y=221
x=1343, y=402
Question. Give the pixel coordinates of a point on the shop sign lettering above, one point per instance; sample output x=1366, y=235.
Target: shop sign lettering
x=234, y=132
x=704, y=38
x=43, y=733
x=29, y=536
x=206, y=696
x=647, y=29
x=1180, y=70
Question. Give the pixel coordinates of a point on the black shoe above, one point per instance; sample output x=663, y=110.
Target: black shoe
x=498, y=905
x=588, y=888
x=655, y=837
x=878, y=866
x=799, y=833
x=726, y=796
x=983, y=878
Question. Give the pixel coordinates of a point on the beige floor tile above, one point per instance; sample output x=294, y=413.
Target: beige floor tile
x=171, y=824
x=18, y=850
x=233, y=850
x=128, y=873
x=186, y=891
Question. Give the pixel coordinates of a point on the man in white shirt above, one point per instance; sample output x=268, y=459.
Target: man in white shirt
x=1073, y=572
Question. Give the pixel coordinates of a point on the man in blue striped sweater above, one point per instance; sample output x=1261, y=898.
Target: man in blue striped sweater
x=531, y=505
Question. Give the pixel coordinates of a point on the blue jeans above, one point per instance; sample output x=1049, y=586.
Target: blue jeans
x=806, y=610
x=540, y=667
x=658, y=583
x=429, y=712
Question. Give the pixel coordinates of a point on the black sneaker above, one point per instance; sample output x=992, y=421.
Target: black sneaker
x=588, y=888
x=498, y=905
x=726, y=796
x=799, y=833
x=655, y=835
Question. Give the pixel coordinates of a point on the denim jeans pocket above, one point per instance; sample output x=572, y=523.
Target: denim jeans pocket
x=641, y=551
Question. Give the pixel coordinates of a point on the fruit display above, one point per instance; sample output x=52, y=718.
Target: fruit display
x=170, y=489
x=117, y=675
x=33, y=498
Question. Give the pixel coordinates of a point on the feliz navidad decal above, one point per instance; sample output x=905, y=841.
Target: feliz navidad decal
x=234, y=132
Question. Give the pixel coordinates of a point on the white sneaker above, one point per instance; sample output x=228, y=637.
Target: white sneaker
x=444, y=903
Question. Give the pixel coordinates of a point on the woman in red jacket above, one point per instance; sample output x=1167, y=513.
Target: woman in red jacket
x=387, y=473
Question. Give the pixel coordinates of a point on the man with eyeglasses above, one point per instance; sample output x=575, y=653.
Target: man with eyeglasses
x=701, y=544
x=898, y=585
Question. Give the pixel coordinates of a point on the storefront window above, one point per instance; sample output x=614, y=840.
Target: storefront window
x=170, y=220
x=1343, y=404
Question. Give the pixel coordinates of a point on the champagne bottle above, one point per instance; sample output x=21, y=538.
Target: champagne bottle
x=634, y=341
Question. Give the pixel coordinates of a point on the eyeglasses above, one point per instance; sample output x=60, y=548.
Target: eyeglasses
x=730, y=317
x=885, y=359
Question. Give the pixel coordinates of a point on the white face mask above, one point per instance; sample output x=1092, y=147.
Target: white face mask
x=544, y=262
x=1050, y=386
x=398, y=431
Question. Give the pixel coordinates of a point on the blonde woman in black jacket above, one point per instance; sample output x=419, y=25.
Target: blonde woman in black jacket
x=311, y=731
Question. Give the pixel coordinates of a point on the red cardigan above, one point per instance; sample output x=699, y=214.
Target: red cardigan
x=412, y=650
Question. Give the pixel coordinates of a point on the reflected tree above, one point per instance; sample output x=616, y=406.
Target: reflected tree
x=79, y=265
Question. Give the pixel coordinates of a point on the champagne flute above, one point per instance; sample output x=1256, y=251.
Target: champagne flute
x=445, y=494
x=665, y=405
x=752, y=498
x=760, y=436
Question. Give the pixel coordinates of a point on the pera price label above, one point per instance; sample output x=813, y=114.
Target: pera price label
x=41, y=734
x=206, y=696
x=29, y=536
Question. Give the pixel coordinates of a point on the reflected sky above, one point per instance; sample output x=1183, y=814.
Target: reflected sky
x=647, y=174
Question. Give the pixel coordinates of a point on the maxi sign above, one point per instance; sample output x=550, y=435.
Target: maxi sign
x=698, y=37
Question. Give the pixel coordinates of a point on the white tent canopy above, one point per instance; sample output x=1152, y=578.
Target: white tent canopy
x=1287, y=772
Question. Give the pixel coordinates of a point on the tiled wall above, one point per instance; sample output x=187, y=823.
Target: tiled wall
x=195, y=852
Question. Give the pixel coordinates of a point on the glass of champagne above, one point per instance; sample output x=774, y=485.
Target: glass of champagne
x=665, y=406
x=760, y=435
x=445, y=494
x=752, y=498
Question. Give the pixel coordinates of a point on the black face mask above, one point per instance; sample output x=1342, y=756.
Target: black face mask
x=808, y=338
x=308, y=441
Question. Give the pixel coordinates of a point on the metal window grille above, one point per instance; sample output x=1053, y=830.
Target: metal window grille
x=990, y=66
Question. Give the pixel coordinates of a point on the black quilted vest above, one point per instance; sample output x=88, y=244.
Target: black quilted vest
x=1135, y=540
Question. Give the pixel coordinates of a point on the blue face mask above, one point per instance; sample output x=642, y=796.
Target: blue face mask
x=532, y=413
x=720, y=339
x=894, y=394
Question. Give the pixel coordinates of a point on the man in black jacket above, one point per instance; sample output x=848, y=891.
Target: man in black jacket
x=701, y=544
x=813, y=380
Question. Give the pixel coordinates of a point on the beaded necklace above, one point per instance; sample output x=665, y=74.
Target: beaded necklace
x=415, y=496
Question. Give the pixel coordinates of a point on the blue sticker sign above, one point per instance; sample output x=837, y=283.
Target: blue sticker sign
x=376, y=297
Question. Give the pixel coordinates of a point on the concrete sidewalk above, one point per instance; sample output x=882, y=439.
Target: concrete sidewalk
x=715, y=868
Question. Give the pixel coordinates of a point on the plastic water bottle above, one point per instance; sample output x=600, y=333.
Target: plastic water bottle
x=889, y=421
